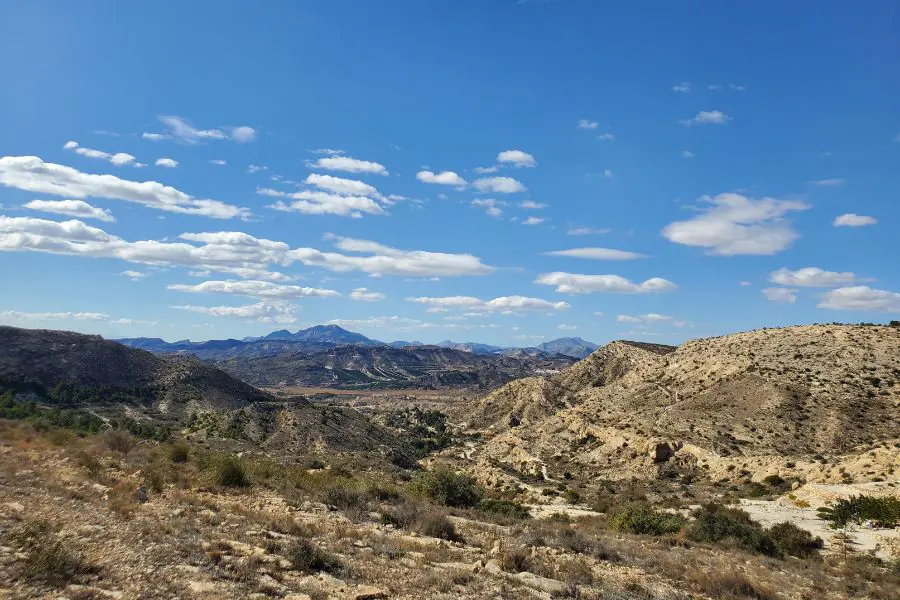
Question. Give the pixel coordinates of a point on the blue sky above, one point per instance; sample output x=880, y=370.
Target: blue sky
x=506, y=172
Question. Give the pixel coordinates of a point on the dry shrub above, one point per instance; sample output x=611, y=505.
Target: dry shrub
x=306, y=557
x=729, y=585
x=123, y=499
x=515, y=560
x=119, y=440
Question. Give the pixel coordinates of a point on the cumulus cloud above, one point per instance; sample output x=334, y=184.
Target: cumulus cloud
x=687, y=154
x=812, y=277
x=485, y=170
x=323, y=203
x=119, y=159
x=272, y=311
x=442, y=178
x=254, y=289
x=587, y=124
x=500, y=304
x=731, y=224
x=500, y=185
x=861, y=298
x=516, y=158
x=597, y=254
x=606, y=136
x=385, y=260
x=169, y=163
x=574, y=283
x=31, y=174
x=853, y=220
x=339, y=185
x=533, y=221
x=179, y=129
x=684, y=87
x=327, y=151
x=15, y=315
x=71, y=208
x=785, y=295
x=532, y=205
x=704, y=117
x=364, y=295
x=348, y=165
x=586, y=231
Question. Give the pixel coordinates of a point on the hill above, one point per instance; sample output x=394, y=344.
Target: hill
x=330, y=334
x=771, y=400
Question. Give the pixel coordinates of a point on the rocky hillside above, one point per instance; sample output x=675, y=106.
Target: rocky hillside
x=67, y=366
x=760, y=401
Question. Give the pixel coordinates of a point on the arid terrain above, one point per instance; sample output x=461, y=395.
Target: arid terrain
x=641, y=472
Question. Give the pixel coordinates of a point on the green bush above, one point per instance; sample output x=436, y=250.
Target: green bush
x=643, y=519
x=790, y=540
x=437, y=525
x=179, y=452
x=306, y=557
x=449, y=488
x=506, y=508
x=227, y=470
x=715, y=523
x=883, y=512
x=344, y=498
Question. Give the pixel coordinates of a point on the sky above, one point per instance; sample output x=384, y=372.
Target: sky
x=506, y=172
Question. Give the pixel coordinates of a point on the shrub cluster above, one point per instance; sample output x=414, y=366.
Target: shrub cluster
x=883, y=512
x=643, y=519
x=714, y=523
x=448, y=488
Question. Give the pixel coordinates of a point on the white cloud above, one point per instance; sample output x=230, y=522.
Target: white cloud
x=364, y=295
x=217, y=161
x=71, y=208
x=254, y=289
x=607, y=137
x=684, y=87
x=183, y=131
x=384, y=260
x=597, y=254
x=328, y=151
x=733, y=224
x=516, y=158
x=786, y=295
x=533, y=221
x=835, y=182
x=485, y=170
x=133, y=275
x=812, y=277
x=744, y=283
x=607, y=173
x=169, y=163
x=349, y=165
x=532, y=205
x=501, y=304
x=853, y=220
x=574, y=283
x=586, y=124
x=119, y=159
x=256, y=168
x=500, y=185
x=493, y=211
x=704, y=117
x=339, y=185
x=231, y=252
x=861, y=298
x=395, y=322
x=274, y=311
x=32, y=174
x=14, y=315
x=647, y=318
x=323, y=203
x=442, y=178
x=687, y=154
x=737, y=88
x=586, y=231
x=565, y=327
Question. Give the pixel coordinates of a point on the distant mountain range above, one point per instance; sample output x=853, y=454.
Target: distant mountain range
x=324, y=337
x=331, y=355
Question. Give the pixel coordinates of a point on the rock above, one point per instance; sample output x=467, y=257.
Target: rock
x=297, y=597
x=551, y=586
x=367, y=592
x=15, y=506
x=661, y=452
x=201, y=587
